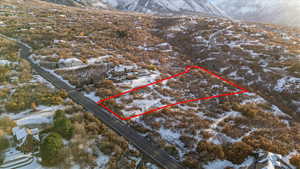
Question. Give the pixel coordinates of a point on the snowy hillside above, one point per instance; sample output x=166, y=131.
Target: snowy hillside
x=271, y=11
x=166, y=6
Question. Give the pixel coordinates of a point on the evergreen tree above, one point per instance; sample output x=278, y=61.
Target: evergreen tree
x=51, y=149
x=63, y=125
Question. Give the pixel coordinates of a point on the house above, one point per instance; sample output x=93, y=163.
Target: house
x=70, y=62
x=21, y=134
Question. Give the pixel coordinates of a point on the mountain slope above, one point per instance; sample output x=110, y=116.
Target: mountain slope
x=150, y=6
x=166, y=6
x=82, y=3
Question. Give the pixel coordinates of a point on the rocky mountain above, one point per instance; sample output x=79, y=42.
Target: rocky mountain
x=151, y=6
x=82, y=3
x=64, y=2
x=270, y=11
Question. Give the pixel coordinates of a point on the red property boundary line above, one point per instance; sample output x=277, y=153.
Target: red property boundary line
x=187, y=70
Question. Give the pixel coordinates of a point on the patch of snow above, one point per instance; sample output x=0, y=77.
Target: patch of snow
x=5, y=62
x=40, y=79
x=235, y=76
x=28, y=113
x=92, y=96
x=145, y=48
x=102, y=160
x=217, y=164
x=285, y=82
x=169, y=135
x=70, y=62
x=176, y=28
x=223, y=69
x=43, y=118
x=145, y=104
x=271, y=160
x=122, y=68
x=278, y=112
x=98, y=60
x=58, y=41
x=151, y=166
x=143, y=80
x=19, y=133
x=255, y=99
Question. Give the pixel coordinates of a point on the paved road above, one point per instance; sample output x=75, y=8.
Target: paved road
x=149, y=149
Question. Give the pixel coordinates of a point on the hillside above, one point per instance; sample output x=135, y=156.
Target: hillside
x=104, y=53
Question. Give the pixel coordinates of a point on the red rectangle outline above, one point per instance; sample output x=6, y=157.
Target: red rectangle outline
x=187, y=70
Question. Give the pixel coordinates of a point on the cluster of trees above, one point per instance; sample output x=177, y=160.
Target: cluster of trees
x=234, y=152
x=81, y=127
x=106, y=88
x=4, y=71
x=24, y=70
x=63, y=125
x=4, y=144
x=260, y=140
x=8, y=50
x=4, y=93
x=6, y=125
x=248, y=110
x=52, y=147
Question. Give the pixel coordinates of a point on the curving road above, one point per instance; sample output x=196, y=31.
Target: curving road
x=152, y=151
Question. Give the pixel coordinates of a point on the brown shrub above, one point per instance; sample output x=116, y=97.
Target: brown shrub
x=187, y=141
x=234, y=131
x=191, y=163
x=237, y=152
x=104, y=92
x=295, y=160
x=105, y=84
x=209, y=151
x=247, y=110
x=206, y=134
x=261, y=142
